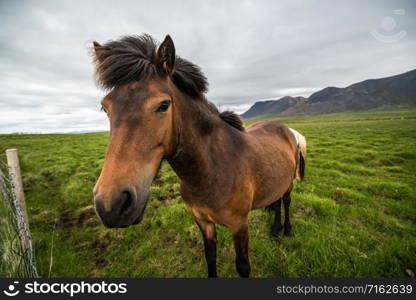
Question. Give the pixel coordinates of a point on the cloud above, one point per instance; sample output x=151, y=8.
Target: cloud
x=249, y=50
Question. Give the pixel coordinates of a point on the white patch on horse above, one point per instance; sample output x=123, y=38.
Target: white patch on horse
x=301, y=143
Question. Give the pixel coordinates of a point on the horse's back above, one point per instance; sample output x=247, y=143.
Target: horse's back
x=274, y=130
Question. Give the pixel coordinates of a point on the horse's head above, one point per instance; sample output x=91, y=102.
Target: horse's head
x=140, y=111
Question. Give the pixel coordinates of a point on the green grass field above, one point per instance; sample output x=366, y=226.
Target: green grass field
x=354, y=215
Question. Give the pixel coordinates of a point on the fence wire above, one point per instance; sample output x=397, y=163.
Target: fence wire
x=17, y=254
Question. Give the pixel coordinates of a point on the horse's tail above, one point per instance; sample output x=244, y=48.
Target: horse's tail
x=300, y=155
x=302, y=166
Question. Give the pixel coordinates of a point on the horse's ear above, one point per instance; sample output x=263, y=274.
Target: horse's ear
x=166, y=55
x=97, y=49
x=97, y=46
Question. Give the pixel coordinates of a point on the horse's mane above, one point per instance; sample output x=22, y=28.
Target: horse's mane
x=232, y=119
x=134, y=58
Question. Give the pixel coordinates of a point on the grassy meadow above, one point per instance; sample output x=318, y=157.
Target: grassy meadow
x=354, y=215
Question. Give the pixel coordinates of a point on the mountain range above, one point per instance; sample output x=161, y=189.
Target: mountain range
x=388, y=92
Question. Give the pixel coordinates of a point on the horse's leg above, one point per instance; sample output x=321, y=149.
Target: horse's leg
x=210, y=245
x=240, y=237
x=277, y=226
x=287, y=226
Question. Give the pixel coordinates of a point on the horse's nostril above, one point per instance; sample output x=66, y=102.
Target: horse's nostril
x=126, y=201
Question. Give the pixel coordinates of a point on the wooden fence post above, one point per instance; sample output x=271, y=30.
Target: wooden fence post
x=21, y=213
x=14, y=169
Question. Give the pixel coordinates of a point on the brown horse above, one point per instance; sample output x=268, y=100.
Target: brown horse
x=157, y=110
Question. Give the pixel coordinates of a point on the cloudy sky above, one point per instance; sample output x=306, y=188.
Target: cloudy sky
x=249, y=50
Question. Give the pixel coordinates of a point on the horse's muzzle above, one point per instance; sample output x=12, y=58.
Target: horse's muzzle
x=120, y=210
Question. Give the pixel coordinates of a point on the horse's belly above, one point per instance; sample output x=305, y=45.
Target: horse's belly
x=270, y=194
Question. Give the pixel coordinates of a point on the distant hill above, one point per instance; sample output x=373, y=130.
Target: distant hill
x=399, y=90
x=272, y=107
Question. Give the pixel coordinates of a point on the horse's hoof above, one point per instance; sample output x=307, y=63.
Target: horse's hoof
x=288, y=233
x=275, y=231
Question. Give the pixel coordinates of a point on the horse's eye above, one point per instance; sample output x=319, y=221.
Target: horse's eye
x=163, y=106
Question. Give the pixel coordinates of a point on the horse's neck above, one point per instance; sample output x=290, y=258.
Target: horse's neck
x=201, y=137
